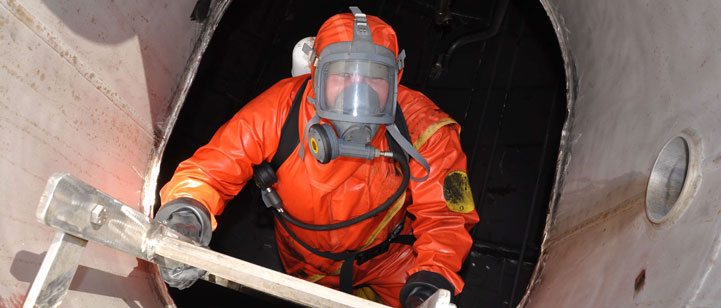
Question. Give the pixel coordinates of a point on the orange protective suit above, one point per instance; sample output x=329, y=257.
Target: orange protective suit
x=346, y=187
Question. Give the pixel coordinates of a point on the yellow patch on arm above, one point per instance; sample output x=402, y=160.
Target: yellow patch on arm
x=457, y=192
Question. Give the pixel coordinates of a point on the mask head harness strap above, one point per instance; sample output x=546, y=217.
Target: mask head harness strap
x=361, y=31
x=401, y=61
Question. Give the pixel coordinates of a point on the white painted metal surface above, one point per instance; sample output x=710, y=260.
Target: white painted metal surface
x=85, y=87
x=640, y=73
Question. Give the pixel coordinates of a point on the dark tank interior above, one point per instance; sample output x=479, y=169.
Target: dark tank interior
x=494, y=65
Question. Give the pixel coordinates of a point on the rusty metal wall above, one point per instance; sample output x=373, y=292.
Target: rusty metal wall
x=86, y=88
x=639, y=74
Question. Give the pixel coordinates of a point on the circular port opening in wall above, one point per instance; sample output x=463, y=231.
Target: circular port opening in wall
x=667, y=179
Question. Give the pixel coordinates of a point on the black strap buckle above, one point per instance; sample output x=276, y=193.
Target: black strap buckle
x=370, y=253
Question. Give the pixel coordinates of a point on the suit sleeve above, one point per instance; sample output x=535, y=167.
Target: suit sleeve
x=218, y=171
x=443, y=207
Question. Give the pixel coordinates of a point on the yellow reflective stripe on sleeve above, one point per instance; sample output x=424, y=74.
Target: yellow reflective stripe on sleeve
x=432, y=130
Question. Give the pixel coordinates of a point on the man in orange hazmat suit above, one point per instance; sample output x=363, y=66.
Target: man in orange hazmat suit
x=381, y=208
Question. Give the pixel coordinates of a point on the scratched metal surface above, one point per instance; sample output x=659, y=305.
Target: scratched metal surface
x=84, y=89
x=640, y=73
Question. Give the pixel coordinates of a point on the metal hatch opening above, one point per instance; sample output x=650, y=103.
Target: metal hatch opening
x=495, y=66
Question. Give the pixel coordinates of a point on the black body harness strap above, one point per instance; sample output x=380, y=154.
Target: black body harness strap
x=264, y=175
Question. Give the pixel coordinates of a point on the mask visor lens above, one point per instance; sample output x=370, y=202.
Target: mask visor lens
x=358, y=88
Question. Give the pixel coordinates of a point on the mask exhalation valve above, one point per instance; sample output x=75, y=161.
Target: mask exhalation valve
x=325, y=146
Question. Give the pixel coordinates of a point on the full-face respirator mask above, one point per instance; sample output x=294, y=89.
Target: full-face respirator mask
x=355, y=85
